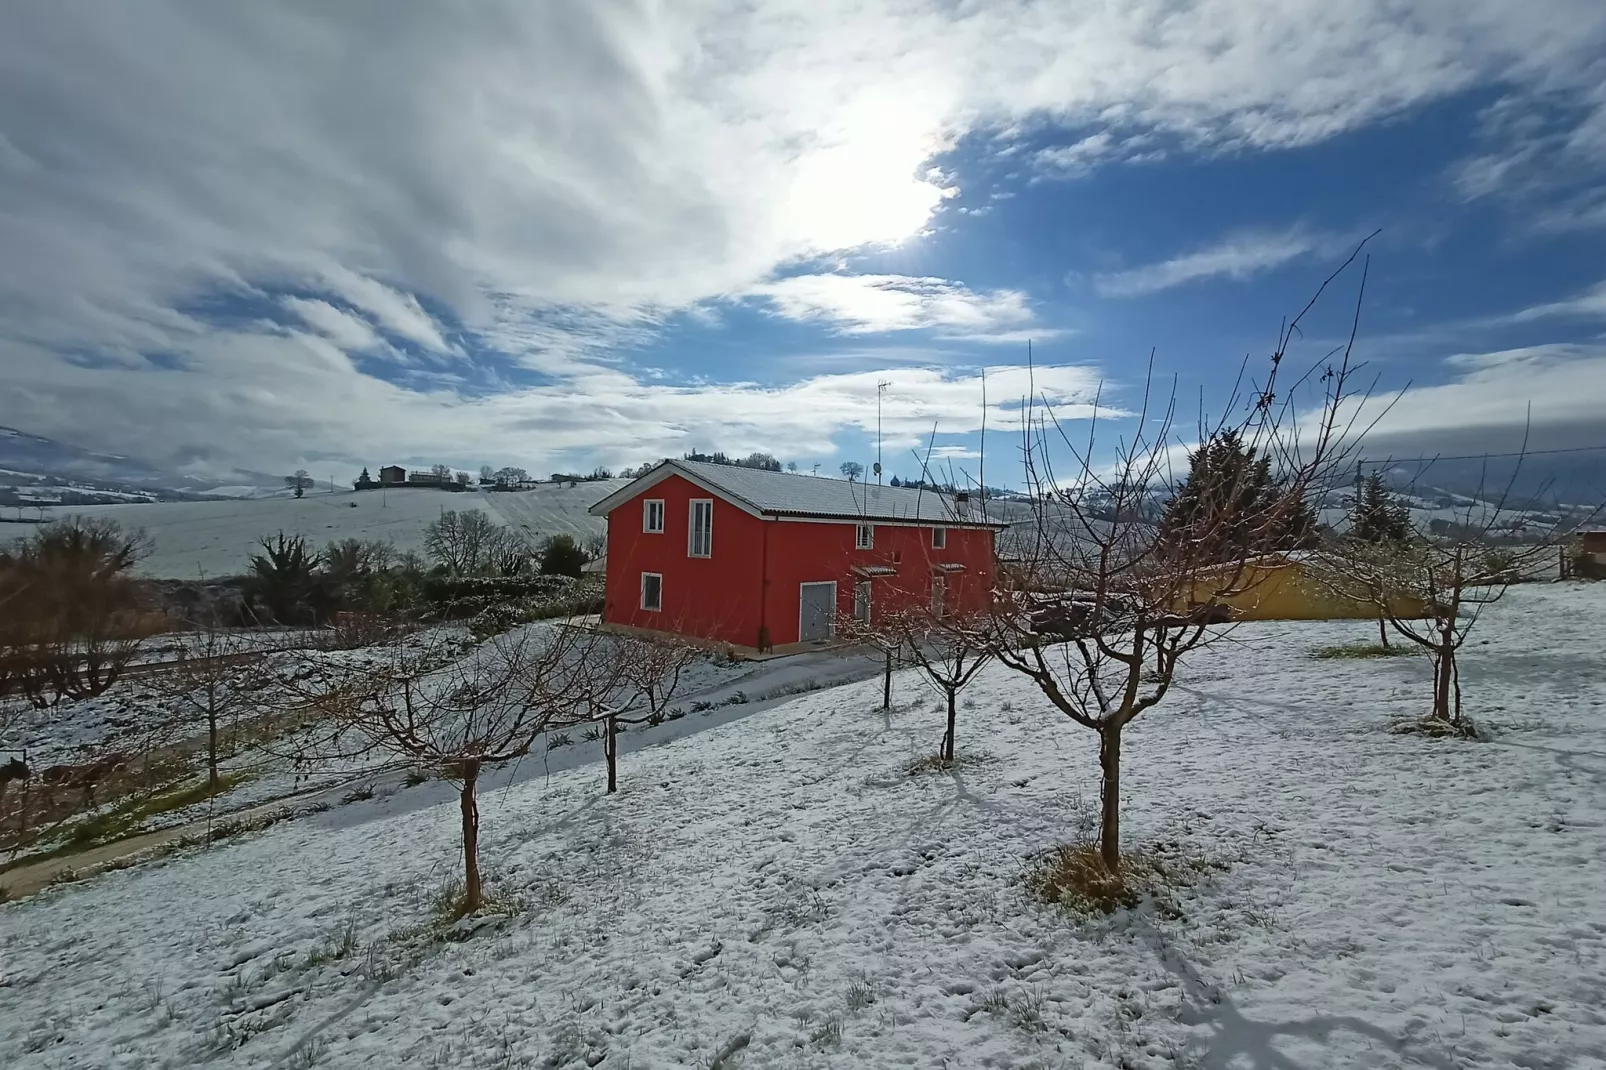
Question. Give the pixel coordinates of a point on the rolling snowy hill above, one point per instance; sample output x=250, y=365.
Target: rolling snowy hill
x=216, y=538
x=35, y=469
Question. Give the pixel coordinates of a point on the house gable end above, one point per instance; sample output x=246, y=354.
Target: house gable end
x=637, y=488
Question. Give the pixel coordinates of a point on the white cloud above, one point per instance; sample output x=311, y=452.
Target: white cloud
x=1236, y=256
x=1080, y=157
x=1543, y=155
x=1545, y=395
x=1591, y=304
x=872, y=304
x=307, y=403
x=398, y=313
x=339, y=326
x=561, y=175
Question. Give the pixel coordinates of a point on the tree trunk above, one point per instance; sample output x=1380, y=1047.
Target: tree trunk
x=610, y=750
x=473, y=895
x=1443, y=667
x=211, y=751
x=1455, y=686
x=1110, y=798
x=886, y=684
x=1383, y=632
x=948, y=736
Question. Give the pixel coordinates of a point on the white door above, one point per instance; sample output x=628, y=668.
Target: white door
x=816, y=615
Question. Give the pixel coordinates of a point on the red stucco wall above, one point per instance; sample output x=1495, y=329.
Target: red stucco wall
x=816, y=551
x=712, y=598
x=757, y=566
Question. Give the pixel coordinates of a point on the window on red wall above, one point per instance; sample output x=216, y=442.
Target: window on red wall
x=864, y=537
x=700, y=539
x=652, y=591
x=652, y=516
x=939, y=538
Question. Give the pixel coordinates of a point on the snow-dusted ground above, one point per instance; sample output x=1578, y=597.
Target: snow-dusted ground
x=781, y=887
x=134, y=716
x=217, y=538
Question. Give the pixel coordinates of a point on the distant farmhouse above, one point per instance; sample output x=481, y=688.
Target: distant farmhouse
x=394, y=475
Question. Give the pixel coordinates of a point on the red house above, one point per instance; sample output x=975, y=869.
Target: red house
x=764, y=559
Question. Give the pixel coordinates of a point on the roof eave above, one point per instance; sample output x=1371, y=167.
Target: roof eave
x=862, y=518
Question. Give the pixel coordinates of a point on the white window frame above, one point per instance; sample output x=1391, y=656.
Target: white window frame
x=691, y=528
x=659, y=608
x=862, y=601
x=939, y=538
x=647, y=513
x=864, y=536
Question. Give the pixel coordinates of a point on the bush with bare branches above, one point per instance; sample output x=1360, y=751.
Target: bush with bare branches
x=74, y=617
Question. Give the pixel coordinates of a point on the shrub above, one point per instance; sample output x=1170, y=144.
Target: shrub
x=562, y=556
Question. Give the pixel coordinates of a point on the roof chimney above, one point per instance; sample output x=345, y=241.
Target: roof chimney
x=962, y=504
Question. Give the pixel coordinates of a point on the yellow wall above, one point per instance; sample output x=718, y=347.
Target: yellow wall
x=1284, y=592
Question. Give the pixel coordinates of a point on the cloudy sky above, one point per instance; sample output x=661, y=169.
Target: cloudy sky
x=601, y=231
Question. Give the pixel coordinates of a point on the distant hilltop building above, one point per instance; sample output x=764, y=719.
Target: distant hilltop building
x=392, y=475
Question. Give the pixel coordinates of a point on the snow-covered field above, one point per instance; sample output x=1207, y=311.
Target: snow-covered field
x=781, y=892
x=194, y=539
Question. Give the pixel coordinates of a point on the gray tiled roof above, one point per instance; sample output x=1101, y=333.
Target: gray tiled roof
x=786, y=494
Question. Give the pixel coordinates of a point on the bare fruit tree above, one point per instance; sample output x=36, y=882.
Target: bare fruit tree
x=210, y=687
x=1431, y=586
x=883, y=636
x=422, y=707
x=949, y=650
x=649, y=671
x=1108, y=595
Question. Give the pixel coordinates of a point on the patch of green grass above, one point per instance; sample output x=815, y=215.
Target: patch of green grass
x=1364, y=650
x=128, y=818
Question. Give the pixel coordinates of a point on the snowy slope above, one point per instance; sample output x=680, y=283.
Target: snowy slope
x=216, y=538
x=782, y=888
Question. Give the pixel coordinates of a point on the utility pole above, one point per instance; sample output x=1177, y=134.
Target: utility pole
x=981, y=463
x=880, y=389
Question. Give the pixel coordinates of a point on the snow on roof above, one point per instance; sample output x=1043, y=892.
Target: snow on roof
x=775, y=494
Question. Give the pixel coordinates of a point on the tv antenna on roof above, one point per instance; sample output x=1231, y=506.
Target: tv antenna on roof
x=880, y=389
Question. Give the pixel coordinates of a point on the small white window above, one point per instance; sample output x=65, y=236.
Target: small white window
x=652, y=591
x=652, y=516
x=864, y=537
x=939, y=538
x=700, y=539
x=939, y=594
x=861, y=601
